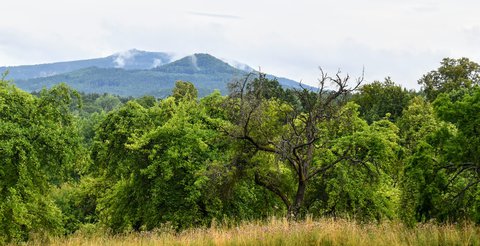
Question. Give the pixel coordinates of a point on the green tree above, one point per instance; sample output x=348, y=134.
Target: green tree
x=156, y=164
x=184, y=90
x=419, y=184
x=439, y=178
x=362, y=184
x=300, y=139
x=417, y=122
x=232, y=190
x=462, y=152
x=108, y=102
x=262, y=87
x=378, y=99
x=39, y=148
x=453, y=74
x=147, y=101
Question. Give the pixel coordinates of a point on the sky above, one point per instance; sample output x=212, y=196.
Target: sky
x=400, y=39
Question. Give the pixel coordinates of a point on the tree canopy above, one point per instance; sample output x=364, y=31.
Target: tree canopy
x=40, y=148
x=453, y=74
x=72, y=162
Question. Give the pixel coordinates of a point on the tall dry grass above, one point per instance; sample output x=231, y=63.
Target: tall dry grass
x=284, y=232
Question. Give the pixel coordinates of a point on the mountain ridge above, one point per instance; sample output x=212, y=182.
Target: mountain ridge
x=136, y=73
x=129, y=60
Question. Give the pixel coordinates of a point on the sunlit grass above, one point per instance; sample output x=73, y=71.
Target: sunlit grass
x=284, y=232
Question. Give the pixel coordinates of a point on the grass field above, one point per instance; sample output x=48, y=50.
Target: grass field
x=283, y=232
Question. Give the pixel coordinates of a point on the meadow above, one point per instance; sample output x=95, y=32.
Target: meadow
x=283, y=232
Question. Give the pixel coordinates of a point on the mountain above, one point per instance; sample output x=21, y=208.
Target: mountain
x=131, y=59
x=198, y=64
x=206, y=72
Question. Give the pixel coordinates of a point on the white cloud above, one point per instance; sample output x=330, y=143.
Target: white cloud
x=156, y=63
x=193, y=59
x=123, y=57
x=401, y=39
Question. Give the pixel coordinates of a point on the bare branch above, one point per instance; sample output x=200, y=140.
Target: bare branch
x=273, y=189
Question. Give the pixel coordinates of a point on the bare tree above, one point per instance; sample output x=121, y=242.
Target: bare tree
x=302, y=138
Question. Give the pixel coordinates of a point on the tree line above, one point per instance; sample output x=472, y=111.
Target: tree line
x=371, y=152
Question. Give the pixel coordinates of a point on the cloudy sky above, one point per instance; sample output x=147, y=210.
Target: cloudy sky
x=400, y=39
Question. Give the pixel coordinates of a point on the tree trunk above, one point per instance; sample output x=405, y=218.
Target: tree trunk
x=294, y=211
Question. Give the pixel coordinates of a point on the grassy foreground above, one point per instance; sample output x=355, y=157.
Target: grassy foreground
x=283, y=232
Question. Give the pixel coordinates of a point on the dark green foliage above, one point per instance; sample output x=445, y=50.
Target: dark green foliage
x=78, y=202
x=147, y=101
x=441, y=171
x=462, y=149
x=378, y=99
x=268, y=88
x=423, y=186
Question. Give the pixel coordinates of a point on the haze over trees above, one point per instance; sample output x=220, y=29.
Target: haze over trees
x=371, y=152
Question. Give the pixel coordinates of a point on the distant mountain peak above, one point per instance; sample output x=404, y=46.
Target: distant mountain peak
x=198, y=63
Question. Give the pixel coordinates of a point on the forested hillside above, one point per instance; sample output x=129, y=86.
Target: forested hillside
x=75, y=162
x=135, y=73
x=129, y=60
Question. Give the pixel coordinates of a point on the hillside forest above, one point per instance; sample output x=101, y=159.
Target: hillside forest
x=371, y=152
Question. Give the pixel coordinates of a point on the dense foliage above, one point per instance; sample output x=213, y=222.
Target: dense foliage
x=81, y=162
x=39, y=148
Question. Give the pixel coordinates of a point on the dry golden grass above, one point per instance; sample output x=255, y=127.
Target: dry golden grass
x=283, y=232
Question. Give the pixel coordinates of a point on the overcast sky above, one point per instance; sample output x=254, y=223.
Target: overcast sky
x=400, y=39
